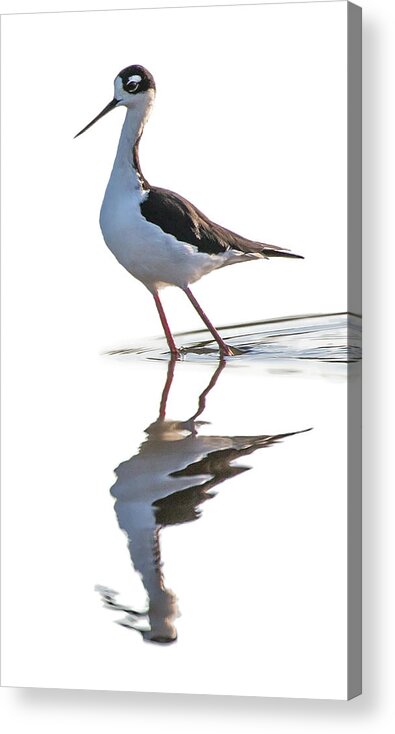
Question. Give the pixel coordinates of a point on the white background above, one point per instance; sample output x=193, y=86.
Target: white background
x=249, y=124
x=46, y=711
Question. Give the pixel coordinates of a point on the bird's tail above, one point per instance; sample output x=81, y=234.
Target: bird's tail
x=273, y=251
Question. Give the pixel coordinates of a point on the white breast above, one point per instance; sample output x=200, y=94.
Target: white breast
x=149, y=254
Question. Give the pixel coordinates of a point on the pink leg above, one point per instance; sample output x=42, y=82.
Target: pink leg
x=166, y=329
x=227, y=351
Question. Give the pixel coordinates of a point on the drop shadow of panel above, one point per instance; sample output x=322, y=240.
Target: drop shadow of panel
x=175, y=471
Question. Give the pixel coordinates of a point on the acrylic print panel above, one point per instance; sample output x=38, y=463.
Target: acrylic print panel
x=182, y=525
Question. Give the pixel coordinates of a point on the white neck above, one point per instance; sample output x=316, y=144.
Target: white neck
x=126, y=159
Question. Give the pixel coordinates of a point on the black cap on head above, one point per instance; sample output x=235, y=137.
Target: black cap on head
x=136, y=79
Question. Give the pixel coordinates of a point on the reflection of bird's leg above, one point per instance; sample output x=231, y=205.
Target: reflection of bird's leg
x=202, y=397
x=166, y=389
x=211, y=384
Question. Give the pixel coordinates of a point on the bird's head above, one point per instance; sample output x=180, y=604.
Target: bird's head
x=134, y=88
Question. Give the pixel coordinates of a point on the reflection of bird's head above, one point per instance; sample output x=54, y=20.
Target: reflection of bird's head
x=163, y=610
x=164, y=634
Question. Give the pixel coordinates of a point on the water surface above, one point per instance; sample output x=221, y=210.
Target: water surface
x=324, y=337
x=184, y=460
x=181, y=526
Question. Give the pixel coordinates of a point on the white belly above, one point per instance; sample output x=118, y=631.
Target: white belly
x=150, y=255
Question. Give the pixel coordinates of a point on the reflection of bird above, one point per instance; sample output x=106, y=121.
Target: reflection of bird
x=157, y=235
x=173, y=473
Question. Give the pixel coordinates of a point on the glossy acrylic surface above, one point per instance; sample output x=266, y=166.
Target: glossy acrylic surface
x=229, y=530
x=240, y=536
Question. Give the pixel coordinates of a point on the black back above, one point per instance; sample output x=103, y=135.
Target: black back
x=178, y=217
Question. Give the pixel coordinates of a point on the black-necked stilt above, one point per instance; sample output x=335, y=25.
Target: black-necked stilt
x=158, y=236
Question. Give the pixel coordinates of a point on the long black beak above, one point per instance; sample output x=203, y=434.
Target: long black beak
x=108, y=108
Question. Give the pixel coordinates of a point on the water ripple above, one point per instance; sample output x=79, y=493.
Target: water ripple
x=330, y=338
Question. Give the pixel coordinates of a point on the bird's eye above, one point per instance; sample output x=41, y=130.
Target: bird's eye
x=132, y=83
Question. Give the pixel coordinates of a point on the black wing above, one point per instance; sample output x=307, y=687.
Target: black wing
x=178, y=217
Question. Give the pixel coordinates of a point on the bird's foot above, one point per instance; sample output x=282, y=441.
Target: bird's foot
x=175, y=354
x=227, y=351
